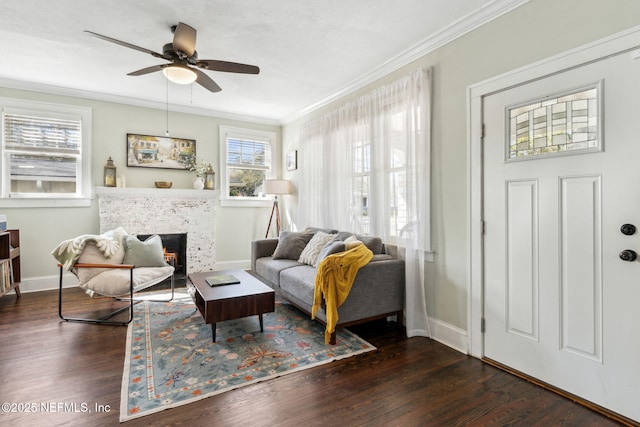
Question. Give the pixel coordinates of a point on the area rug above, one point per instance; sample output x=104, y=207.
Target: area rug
x=171, y=360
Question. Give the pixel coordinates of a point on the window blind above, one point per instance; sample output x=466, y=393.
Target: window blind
x=42, y=134
x=248, y=153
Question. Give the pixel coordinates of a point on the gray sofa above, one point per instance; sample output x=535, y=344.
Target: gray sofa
x=377, y=292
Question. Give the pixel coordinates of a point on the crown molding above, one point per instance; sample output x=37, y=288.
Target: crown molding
x=138, y=102
x=458, y=29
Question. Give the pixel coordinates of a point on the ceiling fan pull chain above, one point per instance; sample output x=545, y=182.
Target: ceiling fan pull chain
x=167, y=132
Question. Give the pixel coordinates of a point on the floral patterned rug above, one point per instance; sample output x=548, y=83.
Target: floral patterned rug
x=171, y=360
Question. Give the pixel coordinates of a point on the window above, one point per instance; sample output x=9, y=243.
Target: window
x=396, y=166
x=366, y=165
x=392, y=124
x=361, y=176
x=45, y=154
x=246, y=161
x=557, y=124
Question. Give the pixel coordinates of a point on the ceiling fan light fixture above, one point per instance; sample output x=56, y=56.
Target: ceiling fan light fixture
x=180, y=75
x=184, y=66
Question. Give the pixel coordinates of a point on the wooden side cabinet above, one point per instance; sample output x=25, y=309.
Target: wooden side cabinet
x=10, y=261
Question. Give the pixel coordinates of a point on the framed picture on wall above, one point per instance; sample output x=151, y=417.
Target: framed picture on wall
x=148, y=151
x=292, y=160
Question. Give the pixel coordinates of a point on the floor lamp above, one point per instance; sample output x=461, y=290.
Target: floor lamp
x=276, y=187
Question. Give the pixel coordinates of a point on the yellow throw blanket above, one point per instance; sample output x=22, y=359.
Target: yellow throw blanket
x=334, y=279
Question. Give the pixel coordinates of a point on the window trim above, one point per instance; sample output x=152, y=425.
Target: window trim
x=246, y=133
x=84, y=179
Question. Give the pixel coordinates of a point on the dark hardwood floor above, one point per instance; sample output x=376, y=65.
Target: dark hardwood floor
x=406, y=382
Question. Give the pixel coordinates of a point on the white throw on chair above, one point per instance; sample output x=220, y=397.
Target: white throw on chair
x=113, y=264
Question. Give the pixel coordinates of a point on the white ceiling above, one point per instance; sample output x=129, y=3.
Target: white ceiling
x=309, y=51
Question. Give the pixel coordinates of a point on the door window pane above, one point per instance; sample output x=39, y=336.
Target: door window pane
x=569, y=122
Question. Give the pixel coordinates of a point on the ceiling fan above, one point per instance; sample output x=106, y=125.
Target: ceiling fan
x=184, y=66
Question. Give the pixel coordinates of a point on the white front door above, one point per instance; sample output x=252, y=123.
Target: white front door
x=560, y=304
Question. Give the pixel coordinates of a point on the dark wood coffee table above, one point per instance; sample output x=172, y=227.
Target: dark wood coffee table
x=218, y=303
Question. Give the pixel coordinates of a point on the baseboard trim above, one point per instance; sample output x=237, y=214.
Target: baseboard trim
x=233, y=265
x=46, y=283
x=449, y=335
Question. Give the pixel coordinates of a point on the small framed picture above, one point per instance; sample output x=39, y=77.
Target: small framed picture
x=292, y=160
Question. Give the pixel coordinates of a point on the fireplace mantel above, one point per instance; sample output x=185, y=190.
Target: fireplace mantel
x=164, y=211
x=155, y=192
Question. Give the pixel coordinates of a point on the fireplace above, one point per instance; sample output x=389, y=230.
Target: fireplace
x=176, y=244
x=166, y=212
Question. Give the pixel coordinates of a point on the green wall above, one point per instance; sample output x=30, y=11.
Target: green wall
x=534, y=31
x=41, y=229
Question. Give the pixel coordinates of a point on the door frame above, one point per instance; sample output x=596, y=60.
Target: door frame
x=625, y=41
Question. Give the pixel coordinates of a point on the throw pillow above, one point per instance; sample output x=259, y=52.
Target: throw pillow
x=144, y=254
x=351, y=242
x=310, y=253
x=333, y=247
x=371, y=242
x=291, y=244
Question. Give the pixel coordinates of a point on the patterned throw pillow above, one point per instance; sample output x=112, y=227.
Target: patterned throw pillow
x=313, y=248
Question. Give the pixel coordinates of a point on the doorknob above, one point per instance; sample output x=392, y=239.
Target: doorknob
x=628, y=229
x=628, y=255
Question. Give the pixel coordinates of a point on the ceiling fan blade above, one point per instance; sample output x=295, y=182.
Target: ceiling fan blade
x=206, y=81
x=148, y=70
x=184, y=39
x=228, y=67
x=125, y=44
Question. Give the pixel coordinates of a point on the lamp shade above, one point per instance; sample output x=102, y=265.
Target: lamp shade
x=179, y=74
x=277, y=186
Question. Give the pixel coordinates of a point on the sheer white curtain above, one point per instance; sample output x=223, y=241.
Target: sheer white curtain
x=365, y=167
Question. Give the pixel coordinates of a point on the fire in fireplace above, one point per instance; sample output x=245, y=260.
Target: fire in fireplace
x=175, y=244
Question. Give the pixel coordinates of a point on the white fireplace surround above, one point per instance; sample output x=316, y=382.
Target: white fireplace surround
x=164, y=211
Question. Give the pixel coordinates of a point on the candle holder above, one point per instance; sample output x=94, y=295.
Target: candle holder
x=110, y=173
x=209, y=176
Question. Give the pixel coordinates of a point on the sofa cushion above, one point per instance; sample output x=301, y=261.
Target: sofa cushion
x=291, y=244
x=270, y=268
x=310, y=253
x=299, y=282
x=116, y=282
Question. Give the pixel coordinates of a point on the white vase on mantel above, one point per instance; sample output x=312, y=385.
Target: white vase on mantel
x=198, y=183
